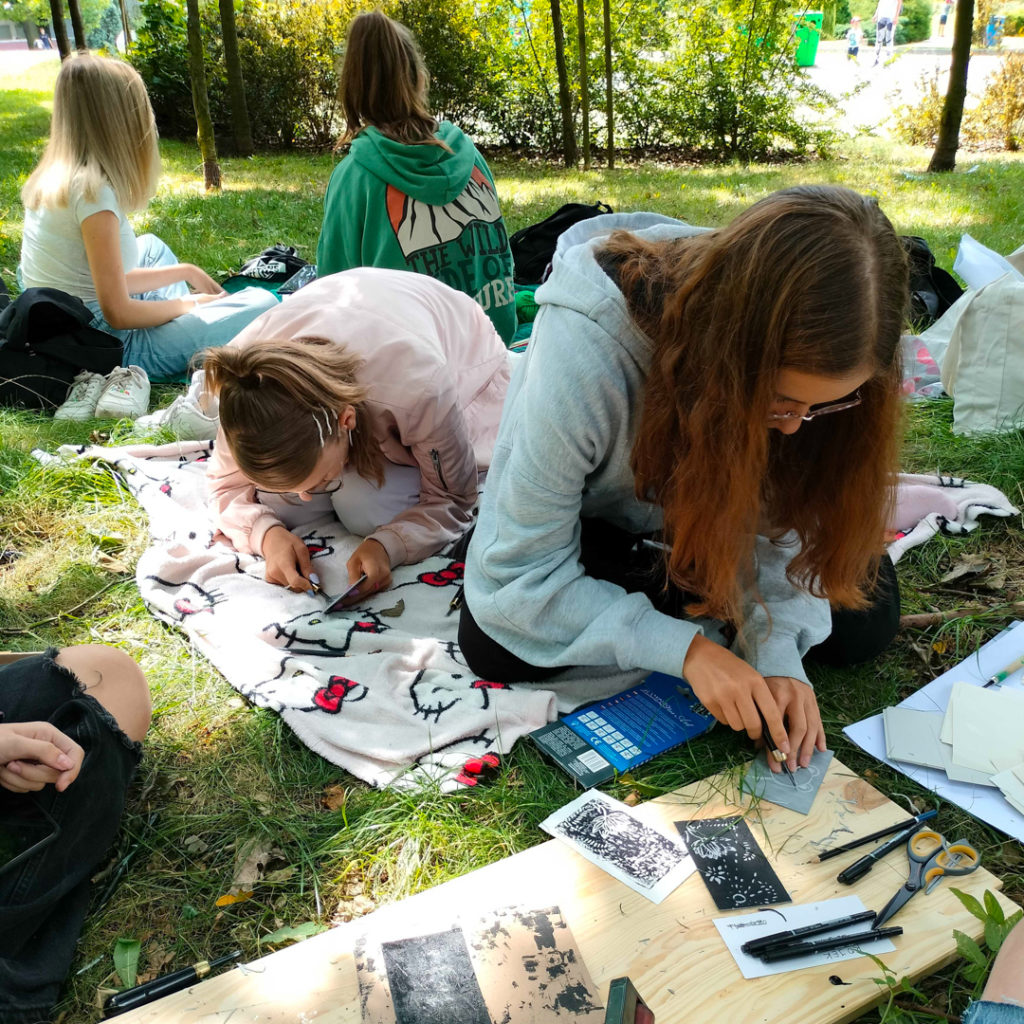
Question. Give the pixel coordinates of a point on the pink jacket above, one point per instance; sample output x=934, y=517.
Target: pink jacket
x=436, y=375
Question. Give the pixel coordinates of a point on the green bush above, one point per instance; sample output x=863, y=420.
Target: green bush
x=918, y=123
x=998, y=119
x=1014, y=20
x=715, y=79
x=997, y=122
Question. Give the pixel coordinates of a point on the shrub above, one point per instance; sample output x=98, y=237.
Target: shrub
x=998, y=119
x=918, y=123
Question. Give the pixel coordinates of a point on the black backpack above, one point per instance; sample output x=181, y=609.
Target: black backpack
x=275, y=264
x=932, y=289
x=45, y=339
x=533, y=247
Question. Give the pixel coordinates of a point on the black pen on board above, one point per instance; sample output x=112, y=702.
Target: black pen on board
x=861, y=867
x=788, y=951
x=752, y=947
x=900, y=826
x=149, y=991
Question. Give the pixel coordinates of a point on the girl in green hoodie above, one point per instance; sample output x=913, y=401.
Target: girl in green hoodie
x=411, y=194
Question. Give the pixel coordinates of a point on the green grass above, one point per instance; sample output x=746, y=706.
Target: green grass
x=218, y=773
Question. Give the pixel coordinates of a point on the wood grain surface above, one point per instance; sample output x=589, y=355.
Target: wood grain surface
x=672, y=952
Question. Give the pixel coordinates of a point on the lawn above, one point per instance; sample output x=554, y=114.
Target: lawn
x=219, y=774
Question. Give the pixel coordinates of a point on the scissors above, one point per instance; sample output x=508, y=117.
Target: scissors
x=930, y=858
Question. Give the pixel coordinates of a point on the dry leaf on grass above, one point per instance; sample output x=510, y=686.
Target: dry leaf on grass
x=334, y=796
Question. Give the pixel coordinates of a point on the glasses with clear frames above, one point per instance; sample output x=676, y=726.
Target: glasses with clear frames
x=820, y=410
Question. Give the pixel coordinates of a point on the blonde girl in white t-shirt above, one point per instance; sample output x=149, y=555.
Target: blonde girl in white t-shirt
x=100, y=163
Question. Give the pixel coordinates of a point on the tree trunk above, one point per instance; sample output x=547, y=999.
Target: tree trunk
x=126, y=24
x=200, y=99
x=569, y=153
x=60, y=32
x=581, y=26
x=944, y=157
x=609, y=105
x=236, y=85
x=77, y=26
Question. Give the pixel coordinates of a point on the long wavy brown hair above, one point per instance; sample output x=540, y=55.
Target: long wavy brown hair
x=276, y=396
x=811, y=278
x=384, y=83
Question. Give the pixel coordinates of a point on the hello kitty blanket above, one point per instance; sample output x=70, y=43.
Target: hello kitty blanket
x=380, y=689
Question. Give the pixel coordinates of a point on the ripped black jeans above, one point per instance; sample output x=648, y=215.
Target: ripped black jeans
x=43, y=900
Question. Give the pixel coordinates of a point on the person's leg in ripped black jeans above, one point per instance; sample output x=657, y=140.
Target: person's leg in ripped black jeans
x=69, y=745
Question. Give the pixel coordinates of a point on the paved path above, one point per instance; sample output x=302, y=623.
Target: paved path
x=867, y=95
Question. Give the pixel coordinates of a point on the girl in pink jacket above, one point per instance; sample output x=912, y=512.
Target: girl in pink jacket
x=375, y=392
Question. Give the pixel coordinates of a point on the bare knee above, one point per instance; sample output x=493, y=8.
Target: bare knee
x=115, y=680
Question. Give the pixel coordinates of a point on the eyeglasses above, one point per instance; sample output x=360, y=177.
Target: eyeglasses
x=819, y=410
x=329, y=488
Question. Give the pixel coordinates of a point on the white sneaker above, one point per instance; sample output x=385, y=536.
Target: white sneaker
x=82, y=398
x=125, y=394
x=188, y=416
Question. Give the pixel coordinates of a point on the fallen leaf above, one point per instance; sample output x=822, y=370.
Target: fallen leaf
x=394, y=611
x=253, y=859
x=194, y=846
x=232, y=897
x=111, y=564
x=281, y=875
x=968, y=565
x=293, y=933
x=334, y=796
x=939, y=647
x=631, y=799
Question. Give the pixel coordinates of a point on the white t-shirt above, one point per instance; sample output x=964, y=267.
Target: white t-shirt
x=53, y=252
x=886, y=9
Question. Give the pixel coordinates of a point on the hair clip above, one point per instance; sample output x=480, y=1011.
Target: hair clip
x=327, y=424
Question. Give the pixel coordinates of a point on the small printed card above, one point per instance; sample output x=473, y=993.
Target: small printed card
x=737, y=930
x=732, y=865
x=606, y=833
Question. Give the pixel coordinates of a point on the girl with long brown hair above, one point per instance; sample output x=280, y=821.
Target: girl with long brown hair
x=411, y=193
x=375, y=393
x=705, y=426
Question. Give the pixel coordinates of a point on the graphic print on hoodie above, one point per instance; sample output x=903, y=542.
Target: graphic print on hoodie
x=424, y=208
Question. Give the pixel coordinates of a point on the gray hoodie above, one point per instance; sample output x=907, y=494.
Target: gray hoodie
x=563, y=452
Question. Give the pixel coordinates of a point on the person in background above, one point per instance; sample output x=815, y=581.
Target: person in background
x=411, y=194
x=375, y=393
x=853, y=39
x=71, y=729
x=705, y=425
x=102, y=161
x=887, y=14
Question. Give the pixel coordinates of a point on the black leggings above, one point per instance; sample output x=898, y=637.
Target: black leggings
x=608, y=553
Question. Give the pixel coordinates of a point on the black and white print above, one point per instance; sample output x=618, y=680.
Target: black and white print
x=608, y=834
x=732, y=865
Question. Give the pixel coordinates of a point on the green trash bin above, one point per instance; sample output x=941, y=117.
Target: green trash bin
x=807, y=30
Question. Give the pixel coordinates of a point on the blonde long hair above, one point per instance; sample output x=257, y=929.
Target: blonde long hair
x=102, y=132
x=275, y=394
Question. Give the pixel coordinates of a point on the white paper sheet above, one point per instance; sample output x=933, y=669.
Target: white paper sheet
x=987, y=724
x=985, y=804
x=737, y=930
x=608, y=834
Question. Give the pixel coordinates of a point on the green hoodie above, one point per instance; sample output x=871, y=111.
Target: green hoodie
x=425, y=209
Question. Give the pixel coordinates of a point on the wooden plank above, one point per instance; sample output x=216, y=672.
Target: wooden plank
x=672, y=952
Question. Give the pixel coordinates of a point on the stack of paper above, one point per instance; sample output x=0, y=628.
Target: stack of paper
x=980, y=736
x=960, y=739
